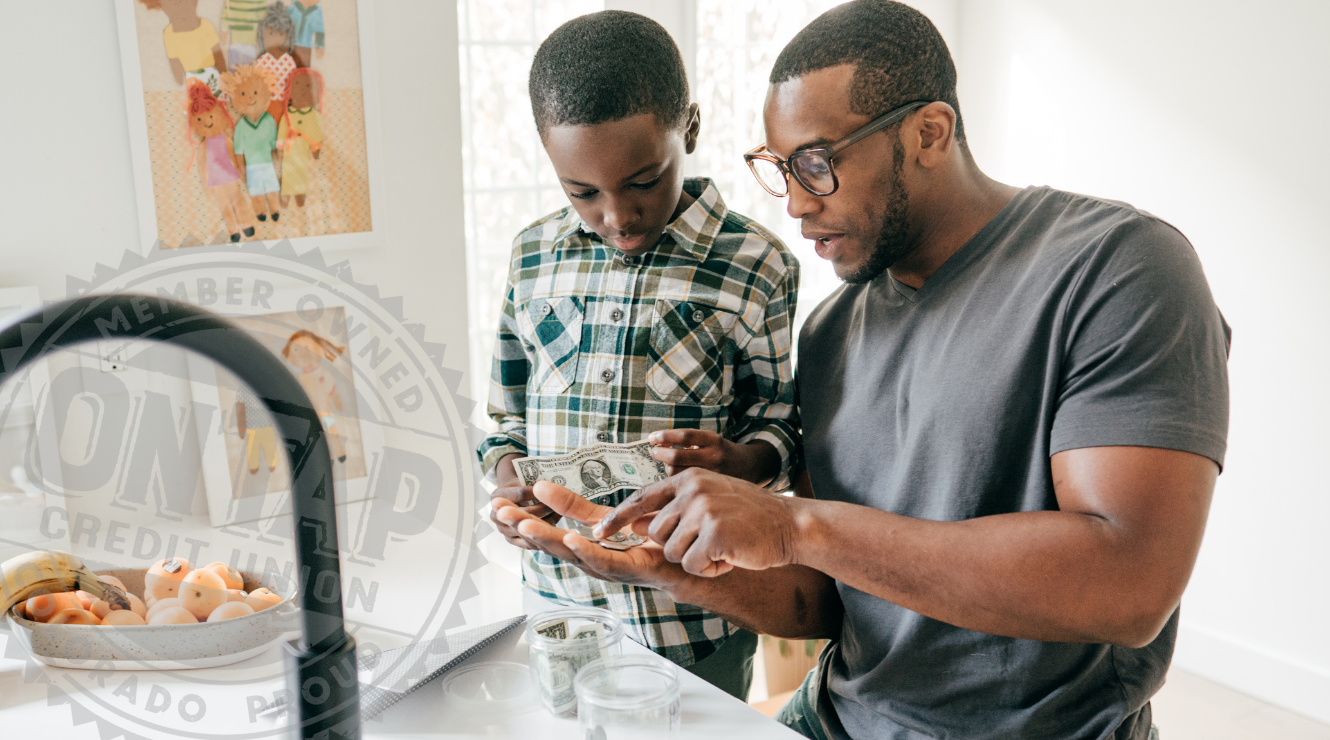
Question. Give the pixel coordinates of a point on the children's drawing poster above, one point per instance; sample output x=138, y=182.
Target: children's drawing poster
x=250, y=119
x=317, y=353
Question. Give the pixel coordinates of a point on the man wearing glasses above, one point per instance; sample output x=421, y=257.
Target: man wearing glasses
x=1014, y=414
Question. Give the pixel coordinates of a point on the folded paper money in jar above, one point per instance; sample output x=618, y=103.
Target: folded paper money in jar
x=561, y=642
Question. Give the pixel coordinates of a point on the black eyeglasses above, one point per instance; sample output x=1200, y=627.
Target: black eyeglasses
x=812, y=167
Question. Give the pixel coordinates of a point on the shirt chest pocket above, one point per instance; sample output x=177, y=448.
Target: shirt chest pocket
x=556, y=339
x=688, y=352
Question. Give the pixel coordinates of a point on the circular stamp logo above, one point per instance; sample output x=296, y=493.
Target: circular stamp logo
x=132, y=452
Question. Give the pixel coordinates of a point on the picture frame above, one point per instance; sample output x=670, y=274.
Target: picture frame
x=176, y=210
x=246, y=477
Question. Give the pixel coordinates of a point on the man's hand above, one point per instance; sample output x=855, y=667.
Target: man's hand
x=795, y=602
x=644, y=565
x=682, y=449
x=711, y=523
x=511, y=490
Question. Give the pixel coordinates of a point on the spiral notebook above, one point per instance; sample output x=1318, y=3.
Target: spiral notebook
x=388, y=677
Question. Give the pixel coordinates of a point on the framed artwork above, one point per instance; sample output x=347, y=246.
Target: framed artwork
x=252, y=119
x=246, y=476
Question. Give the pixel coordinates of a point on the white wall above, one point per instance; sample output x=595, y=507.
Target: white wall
x=68, y=200
x=1209, y=114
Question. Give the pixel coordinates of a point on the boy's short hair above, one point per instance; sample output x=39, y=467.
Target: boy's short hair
x=606, y=66
x=898, y=54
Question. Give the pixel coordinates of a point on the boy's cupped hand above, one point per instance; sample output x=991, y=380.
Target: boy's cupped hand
x=511, y=491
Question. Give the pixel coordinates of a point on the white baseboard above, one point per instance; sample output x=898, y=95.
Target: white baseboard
x=1276, y=679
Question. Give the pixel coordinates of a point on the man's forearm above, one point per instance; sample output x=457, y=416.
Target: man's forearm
x=793, y=602
x=1044, y=575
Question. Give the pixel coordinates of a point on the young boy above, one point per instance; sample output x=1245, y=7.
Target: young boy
x=646, y=309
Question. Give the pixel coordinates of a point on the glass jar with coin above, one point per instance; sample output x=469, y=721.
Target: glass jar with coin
x=561, y=642
x=629, y=696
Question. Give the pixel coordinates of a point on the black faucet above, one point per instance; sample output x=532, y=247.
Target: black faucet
x=321, y=674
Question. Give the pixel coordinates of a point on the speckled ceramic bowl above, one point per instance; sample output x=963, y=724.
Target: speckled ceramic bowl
x=167, y=646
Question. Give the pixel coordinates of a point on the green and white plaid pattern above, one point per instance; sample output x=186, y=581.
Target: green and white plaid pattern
x=594, y=347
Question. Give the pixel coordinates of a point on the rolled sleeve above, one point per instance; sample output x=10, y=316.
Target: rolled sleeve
x=764, y=405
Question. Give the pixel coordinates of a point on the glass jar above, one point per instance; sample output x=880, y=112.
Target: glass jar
x=561, y=642
x=634, y=696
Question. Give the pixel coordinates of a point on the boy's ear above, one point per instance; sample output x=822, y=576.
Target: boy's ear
x=693, y=129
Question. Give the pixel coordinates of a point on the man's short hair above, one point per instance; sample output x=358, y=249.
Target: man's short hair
x=899, y=56
x=606, y=66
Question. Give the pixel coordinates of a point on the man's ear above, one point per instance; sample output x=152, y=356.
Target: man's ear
x=693, y=129
x=936, y=124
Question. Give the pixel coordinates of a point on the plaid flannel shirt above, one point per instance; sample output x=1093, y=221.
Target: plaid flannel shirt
x=595, y=347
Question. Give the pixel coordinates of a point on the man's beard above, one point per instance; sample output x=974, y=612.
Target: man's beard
x=893, y=240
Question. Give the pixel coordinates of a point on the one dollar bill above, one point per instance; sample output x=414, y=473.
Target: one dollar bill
x=595, y=471
x=558, y=661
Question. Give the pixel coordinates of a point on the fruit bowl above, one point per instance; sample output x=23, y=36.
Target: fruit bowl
x=165, y=646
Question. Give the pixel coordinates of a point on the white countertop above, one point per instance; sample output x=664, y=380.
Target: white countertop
x=43, y=703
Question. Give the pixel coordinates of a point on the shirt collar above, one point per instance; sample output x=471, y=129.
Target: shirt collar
x=695, y=230
x=570, y=224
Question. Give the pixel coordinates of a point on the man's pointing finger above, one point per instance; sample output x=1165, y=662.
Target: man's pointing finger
x=644, y=501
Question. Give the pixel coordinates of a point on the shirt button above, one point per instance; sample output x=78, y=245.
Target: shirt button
x=603, y=436
x=545, y=309
x=607, y=375
x=616, y=315
x=630, y=261
x=698, y=316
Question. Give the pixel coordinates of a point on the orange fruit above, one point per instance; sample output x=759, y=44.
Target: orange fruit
x=116, y=581
x=100, y=608
x=122, y=618
x=173, y=615
x=230, y=610
x=201, y=592
x=161, y=589
x=136, y=604
x=160, y=605
x=235, y=594
x=74, y=616
x=261, y=598
x=229, y=575
x=85, y=599
x=42, y=608
x=164, y=577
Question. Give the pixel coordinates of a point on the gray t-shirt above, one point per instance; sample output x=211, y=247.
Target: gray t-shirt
x=1066, y=322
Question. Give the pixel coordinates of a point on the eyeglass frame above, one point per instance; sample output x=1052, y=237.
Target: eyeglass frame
x=829, y=152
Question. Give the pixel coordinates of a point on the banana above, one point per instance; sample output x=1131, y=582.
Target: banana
x=52, y=571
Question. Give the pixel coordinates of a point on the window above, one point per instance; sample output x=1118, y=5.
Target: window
x=507, y=180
